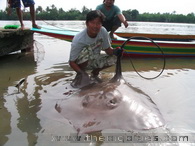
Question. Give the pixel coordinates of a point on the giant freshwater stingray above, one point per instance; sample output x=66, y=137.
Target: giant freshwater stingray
x=114, y=104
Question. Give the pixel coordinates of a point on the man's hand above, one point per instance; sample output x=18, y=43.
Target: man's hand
x=81, y=80
x=125, y=23
x=117, y=51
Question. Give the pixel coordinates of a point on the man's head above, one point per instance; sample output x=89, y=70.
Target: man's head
x=108, y=3
x=94, y=22
x=95, y=14
x=105, y=0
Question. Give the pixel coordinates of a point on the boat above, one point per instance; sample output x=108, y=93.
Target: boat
x=13, y=40
x=134, y=47
x=161, y=37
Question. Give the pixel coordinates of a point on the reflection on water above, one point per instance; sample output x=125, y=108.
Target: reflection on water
x=28, y=117
x=15, y=67
x=5, y=121
x=28, y=122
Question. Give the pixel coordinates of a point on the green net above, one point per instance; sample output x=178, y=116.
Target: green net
x=11, y=26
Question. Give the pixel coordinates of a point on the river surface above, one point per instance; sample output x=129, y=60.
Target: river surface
x=27, y=115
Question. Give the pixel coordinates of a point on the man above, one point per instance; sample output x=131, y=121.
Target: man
x=27, y=3
x=85, y=50
x=114, y=16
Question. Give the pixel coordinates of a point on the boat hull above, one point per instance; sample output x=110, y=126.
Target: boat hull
x=137, y=48
x=142, y=48
x=161, y=37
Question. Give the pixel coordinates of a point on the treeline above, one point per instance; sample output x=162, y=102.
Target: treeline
x=53, y=13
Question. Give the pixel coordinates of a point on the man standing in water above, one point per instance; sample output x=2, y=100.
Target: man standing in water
x=27, y=3
x=85, y=50
x=114, y=16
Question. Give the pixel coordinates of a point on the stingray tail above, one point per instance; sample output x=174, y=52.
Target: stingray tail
x=118, y=72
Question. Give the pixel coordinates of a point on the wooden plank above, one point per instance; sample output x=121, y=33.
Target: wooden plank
x=12, y=40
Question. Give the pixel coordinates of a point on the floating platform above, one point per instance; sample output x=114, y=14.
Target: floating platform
x=12, y=40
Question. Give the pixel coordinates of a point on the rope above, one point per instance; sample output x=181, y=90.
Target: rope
x=59, y=28
x=164, y=60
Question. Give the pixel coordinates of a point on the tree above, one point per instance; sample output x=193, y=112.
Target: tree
x=73, y=14
x=52, y=13
x=84, y=12
x=39, y=10
x=134, y=14
x=127, y=15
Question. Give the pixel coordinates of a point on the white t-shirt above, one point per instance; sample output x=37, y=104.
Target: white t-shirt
x=82, y=40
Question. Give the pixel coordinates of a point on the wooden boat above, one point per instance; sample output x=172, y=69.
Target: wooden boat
x=162, y=37
x=134, y=47
x=12, y=40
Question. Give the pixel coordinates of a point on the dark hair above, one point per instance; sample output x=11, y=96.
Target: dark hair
x=104, y=1
x=95, y=14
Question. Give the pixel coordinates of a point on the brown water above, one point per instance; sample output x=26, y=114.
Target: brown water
x=28, y=116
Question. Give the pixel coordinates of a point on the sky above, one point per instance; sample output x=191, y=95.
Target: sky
x=151, y=6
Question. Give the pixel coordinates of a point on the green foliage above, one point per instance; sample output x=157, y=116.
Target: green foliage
x=53, y=13
x=131, y=15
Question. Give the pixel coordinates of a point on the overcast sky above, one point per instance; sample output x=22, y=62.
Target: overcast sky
x=152, y=6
